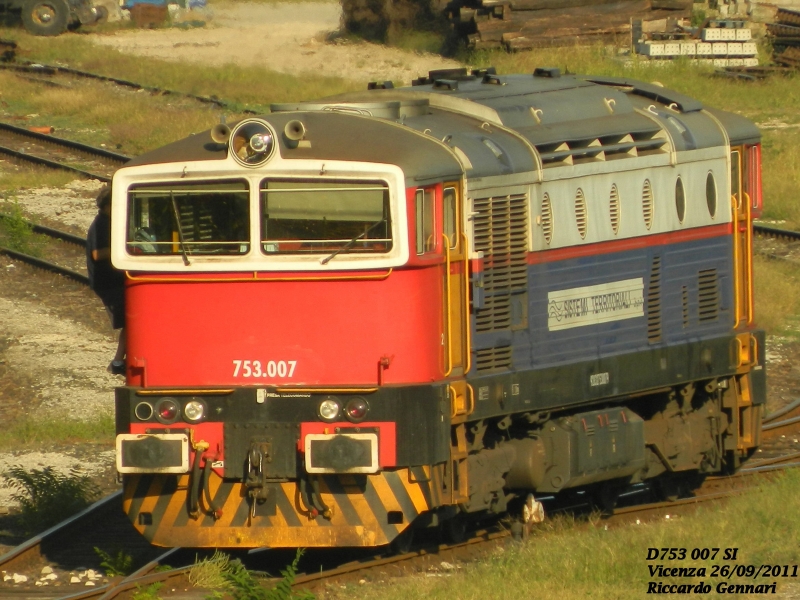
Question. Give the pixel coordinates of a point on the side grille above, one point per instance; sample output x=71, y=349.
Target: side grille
x=581, y=218
x=547, y=219
x=501, y=233
x=654, y=302
x=614, y=209
x=708, y=295
x=647, y=204
x=492, y=359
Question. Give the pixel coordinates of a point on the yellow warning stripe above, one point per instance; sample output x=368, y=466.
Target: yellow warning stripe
x=414, y=491
x=150, y=499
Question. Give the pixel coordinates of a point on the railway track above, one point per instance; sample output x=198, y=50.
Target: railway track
x=45, y=264
x=42, y=149
x=32, y=68
x=429, y=553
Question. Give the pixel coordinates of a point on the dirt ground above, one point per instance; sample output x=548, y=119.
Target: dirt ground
x=296, y=37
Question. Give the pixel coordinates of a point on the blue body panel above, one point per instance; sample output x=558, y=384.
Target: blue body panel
x=535, y=347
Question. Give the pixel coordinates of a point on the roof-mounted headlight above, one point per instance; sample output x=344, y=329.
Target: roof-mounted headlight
x=252, y=143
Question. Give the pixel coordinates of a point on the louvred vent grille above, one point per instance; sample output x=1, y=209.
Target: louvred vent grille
x=501, y=233
x=708, y=295
x=493, y=359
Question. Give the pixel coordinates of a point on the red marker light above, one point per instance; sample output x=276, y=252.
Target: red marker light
x=356, y=409
x=167, y=410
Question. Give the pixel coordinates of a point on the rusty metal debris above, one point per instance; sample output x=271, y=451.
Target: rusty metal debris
x=785, y=34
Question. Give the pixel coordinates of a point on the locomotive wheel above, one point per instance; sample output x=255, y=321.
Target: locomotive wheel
x=45, y=17
x=403, y=542
x=605, y=497
x=455, y=529
x=670, y=489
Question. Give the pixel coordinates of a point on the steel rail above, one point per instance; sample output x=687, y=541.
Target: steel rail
x=33, y=67
x=43, y=264
x=33, y=545
x=762, y=462
x=774, y=429
x=59, y=141
x=775, y=232
x=142, y=577
x=46, y=162
x=782, y=412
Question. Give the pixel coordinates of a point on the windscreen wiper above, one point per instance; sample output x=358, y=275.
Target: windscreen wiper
x=180, y=229
x=351, y=243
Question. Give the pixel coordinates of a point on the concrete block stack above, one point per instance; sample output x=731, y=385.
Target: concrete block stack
x=720, y=44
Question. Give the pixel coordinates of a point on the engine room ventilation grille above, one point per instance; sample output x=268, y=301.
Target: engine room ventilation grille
x=614, y=209
x=493, y=359
x=501, y=233
x=654, y=302
x=610, y=147
x=708, y=295
x=648, y=203
x=547, y=219
x=581, y=218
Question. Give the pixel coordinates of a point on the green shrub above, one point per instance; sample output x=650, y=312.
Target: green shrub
x=119, y=564
x=240, y=584
x=47, y=497
x=16, y=233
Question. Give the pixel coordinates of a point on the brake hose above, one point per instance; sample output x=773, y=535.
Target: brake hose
x=194, y=486
x=216, y=512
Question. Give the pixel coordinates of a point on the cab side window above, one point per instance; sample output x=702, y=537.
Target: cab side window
x=424, y=205
x=450, y=227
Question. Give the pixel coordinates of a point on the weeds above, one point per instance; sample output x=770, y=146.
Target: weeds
x=119, y=564
x=148, y=593
x=47, y=497
x=16, y=233
x=209, y=573
x=231, y=577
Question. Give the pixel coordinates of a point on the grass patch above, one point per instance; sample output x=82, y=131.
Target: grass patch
x=132, y=121
x=781, y=176
x=777, y=293
x=25, y=432
x=571, y=562
x=30, y=177
x=47, y=497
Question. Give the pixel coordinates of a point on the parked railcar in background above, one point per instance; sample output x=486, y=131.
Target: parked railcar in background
x=408, y=307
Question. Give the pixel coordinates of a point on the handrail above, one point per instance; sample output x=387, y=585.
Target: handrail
x=284, y=389
x=467, y=342
x=471, y=396
x=448, y=350
x=255, y=277
x=736, y=276
x=749, y=260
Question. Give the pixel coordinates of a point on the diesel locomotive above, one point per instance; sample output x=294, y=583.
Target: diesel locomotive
x=408, y=307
